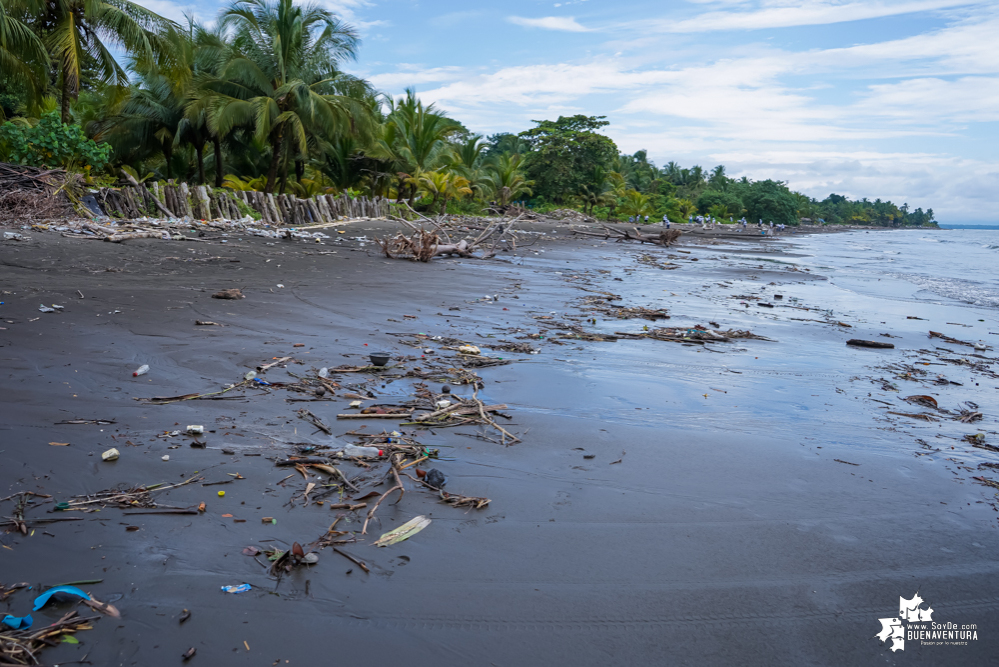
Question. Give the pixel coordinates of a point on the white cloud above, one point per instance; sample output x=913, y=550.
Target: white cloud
x=348, y=10
x=967, y=47
x=412, y=76
x=564, y=23
x=780, y=15
x=934, y=102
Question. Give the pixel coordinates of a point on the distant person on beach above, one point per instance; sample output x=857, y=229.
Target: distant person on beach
x=646, y=219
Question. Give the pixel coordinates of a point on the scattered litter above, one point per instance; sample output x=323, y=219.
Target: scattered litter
x=403, y=532
x=110, y=455
x=61, y=594
x=435, y=478
x=141, y=370
x=242, y=588
x=17, y=622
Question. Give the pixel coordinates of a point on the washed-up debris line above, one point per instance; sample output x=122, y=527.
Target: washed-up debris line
x=602, y=305
x=696, y=334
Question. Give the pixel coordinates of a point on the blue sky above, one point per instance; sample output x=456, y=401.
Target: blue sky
x=897, y=99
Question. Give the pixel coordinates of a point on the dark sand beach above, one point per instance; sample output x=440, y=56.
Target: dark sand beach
x=743, y=502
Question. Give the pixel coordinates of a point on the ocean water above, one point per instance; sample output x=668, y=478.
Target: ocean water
x=956, y=266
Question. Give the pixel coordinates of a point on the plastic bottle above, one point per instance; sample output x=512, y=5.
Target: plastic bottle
x=324, y=372
x=354, y=450
x=141, y=370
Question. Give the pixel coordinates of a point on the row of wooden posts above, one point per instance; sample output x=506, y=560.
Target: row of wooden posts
x=203, y=203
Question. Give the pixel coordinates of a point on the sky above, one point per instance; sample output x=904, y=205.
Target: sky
x=890, y=99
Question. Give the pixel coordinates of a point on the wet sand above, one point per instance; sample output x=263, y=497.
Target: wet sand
x=727, y=533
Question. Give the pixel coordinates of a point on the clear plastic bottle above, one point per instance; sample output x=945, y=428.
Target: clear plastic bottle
x=368, y=452
x=324, y=372
x=141, y=370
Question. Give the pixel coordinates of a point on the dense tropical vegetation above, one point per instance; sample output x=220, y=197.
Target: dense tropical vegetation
x=260, y=101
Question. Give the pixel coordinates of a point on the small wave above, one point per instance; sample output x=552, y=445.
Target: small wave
x=966, y=291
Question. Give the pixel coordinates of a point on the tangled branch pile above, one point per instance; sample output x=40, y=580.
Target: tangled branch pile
x=424, y=245
x=21, y=647
x=31, y=193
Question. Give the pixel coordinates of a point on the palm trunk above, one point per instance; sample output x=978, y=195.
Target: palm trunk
x=284, y=173
x=168, y=156
x=275, y=161
x=199, y=151
x=65, y=98
x=299, y=170
x=219, y=171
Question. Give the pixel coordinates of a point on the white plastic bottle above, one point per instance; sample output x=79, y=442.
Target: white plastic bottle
x=366, y=452
x=141, y=370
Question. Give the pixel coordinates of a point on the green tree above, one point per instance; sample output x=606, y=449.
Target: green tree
x=771, y=201
x=81, y=33
x=726, y=202
x=564, y=152
x=283, y=78
x=23, y=59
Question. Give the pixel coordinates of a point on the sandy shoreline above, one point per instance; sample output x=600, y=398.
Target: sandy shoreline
x=765, y=509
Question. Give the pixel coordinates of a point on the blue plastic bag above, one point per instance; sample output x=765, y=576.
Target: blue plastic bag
x=43, y=599
x=22, y=623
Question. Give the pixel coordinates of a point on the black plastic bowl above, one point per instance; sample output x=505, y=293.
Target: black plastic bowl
x=379, y=358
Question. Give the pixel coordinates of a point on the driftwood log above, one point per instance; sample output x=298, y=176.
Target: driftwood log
x=857, y=342
x=665, y=237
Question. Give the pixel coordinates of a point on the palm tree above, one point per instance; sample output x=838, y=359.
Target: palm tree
x=467, y=159
x=597, y=192
x=146, y=122
x=443, y=185
x=685, y=207
x=187, y=55
x=22, y=56
x=283, y=78
x=637, y=204
x=507, y=180
x=86, y=31
x=415, y=136
x=718, y=179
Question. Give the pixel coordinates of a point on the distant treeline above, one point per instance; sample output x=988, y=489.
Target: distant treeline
x=259, y=101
